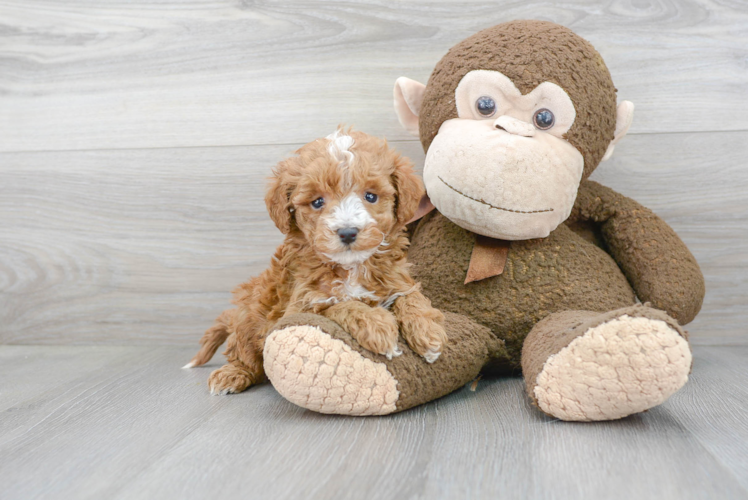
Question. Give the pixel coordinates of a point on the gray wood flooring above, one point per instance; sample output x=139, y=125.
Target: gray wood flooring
x=126, y=422
x=135, y=139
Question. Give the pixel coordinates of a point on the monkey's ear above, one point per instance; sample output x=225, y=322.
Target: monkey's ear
x=409, y=189
x=624, y=117
x=277, y=200
x=408, y=99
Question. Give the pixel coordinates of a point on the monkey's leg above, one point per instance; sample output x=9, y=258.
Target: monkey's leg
x=585, y=366
x=315, y=364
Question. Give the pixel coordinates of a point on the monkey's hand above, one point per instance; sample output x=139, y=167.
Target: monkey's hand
x=654, y=259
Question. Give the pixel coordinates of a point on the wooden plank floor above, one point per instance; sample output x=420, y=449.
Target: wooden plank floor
x=126, y=422
x=135, y=140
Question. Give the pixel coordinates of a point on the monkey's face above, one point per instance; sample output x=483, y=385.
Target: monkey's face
x=503, y=168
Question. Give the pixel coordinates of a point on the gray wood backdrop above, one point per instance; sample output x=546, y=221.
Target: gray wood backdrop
x=136, y=136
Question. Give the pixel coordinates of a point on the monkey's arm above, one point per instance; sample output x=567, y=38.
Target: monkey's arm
x=654, y=259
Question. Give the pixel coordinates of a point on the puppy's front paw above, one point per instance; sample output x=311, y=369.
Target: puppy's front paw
x=425, y=335
x=229, y=379
x=377, y=331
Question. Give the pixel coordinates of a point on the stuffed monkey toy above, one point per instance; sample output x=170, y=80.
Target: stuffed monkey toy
x=536, y=267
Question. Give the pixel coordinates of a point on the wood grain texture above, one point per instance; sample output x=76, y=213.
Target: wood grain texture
x=144, y=245
x=135, y=138
x=121, y=246
x=708, y=408
x=142, y=428
x=87, y=75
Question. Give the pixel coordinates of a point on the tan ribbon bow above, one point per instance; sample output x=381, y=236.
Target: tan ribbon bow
x=489, y=254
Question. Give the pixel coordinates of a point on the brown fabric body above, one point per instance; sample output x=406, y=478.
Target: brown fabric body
x=557, y=331
x=558, y=273
x=530, y=53
x=469, y=348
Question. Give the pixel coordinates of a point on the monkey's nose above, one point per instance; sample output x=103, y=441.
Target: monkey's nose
x=347, y=234
x=514, y=126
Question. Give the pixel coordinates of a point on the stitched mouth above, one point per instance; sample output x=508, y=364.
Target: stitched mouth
x=484, y=202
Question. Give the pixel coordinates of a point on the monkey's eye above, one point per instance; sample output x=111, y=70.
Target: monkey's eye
x=371, y=197
x=544, y=119
x=485, y=106
x=317, y=204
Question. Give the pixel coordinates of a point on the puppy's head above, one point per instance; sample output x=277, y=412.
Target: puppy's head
x=346, y=193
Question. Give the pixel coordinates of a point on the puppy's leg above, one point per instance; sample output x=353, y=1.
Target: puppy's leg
x=244, y=367
x=374, y=328
x=422, y=326
x=213, y=338
x=231, y=378
x=256, y=302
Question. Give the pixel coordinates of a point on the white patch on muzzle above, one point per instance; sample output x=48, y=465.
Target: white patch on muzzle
x=350, y=213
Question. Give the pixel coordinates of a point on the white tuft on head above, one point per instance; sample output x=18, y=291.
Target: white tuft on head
x=339, y=148
x=350, y=212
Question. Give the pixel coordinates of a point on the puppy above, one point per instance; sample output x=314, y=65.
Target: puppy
x=342, y=203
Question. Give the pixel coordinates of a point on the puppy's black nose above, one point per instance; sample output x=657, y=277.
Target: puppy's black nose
x=347, y=234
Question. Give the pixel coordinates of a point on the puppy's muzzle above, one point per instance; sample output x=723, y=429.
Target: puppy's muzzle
x=347, y=234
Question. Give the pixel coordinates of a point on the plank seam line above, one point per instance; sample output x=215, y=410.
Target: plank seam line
x=297, y=144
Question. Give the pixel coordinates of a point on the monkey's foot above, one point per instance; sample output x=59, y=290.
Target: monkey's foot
x=586, y=366
x=312, y=362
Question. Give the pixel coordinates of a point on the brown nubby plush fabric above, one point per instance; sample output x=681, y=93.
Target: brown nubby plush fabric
x=564, y=271
x=655, y=260
x=542, y=276
x=556, y=331
x=469, y=348
x=530, y=53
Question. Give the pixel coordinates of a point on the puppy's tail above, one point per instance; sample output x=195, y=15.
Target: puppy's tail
x=212, y=339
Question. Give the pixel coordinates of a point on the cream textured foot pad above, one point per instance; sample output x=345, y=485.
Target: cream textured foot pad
x=315, y=371
x=613, y=370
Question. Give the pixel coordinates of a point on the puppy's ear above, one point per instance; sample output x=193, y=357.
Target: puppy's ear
x=409, y=189
x=277, y=199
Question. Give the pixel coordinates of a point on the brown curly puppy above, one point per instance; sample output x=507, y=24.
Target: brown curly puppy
x=342, y=203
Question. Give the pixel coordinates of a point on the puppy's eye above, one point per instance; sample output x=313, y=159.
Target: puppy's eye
x=317, y=204
x=485, y=106
x=371, y=197
x=543, y=119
